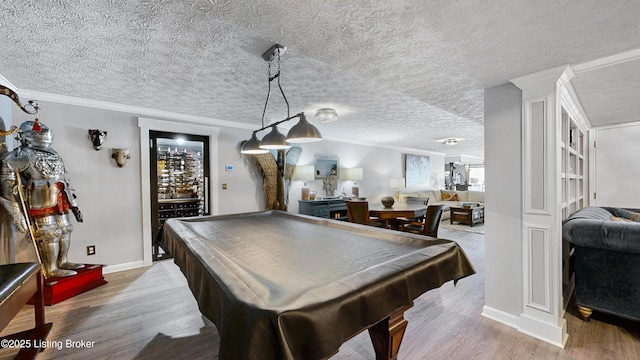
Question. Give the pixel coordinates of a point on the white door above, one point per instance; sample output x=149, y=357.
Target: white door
x=617, y=168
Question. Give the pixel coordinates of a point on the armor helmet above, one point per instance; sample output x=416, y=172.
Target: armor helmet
x=36, y=135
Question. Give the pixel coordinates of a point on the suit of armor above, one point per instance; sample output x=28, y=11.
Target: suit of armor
x=47, y=196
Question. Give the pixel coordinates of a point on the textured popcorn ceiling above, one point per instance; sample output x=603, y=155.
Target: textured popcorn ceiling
x=403, y=73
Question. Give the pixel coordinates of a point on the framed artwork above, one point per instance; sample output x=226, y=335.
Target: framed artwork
x=418, y=170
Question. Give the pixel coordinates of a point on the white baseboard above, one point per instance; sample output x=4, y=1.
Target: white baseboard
x=122, y=267
x=554, y=335
x=501, y=317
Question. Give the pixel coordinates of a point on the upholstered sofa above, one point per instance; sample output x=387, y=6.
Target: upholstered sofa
x=446, y=197
x=606, y=260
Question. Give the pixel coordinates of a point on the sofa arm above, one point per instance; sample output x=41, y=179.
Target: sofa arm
x=600, y=234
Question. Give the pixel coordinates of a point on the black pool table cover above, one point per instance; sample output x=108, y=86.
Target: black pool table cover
x=287, y=286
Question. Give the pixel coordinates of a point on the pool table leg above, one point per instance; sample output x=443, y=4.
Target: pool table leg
x=387, y=334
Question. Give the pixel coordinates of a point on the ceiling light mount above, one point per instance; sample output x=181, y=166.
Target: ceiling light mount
x=303, y=131
x=326, y=115
x=450, y=142
x=274, y=52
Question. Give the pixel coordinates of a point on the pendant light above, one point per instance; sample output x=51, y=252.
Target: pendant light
x=302, y=132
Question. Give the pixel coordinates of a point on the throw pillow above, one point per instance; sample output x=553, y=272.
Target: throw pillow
x=618, y=219
x=449, y=195
x=627, y=214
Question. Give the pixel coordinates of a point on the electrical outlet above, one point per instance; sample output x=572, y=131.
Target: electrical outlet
x=91, y=250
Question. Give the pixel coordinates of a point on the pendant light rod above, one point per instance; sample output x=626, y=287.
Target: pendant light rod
x=279, y=122
x=271, y=54
x=302, y=132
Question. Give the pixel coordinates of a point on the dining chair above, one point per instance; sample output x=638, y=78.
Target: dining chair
x=429, y=225
x=412, y=200
x=358, y=212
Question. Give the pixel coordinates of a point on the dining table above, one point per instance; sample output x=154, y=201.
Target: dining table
x=391, y=214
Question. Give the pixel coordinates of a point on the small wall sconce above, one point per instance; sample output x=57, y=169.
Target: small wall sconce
x=97, y=137
x=306, y=173
x=121, y=156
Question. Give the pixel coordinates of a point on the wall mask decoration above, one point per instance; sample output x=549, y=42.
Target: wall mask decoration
x=121, y=156
x=97, y=137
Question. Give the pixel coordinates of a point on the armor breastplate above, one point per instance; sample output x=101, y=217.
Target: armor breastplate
x=48, y=165
x=42, y=194
x=45, y=170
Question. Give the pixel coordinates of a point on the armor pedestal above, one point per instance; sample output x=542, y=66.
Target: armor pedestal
x=57, y=289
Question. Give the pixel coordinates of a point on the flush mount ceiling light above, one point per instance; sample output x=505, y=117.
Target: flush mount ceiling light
x=302, y=132
x=450, y=142
x=326, y=115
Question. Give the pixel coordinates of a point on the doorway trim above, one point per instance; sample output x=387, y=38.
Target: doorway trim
x=147, y=124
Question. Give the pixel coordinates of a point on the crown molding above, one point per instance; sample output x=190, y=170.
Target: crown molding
x=540, y=83
x=606, y=61
x=4, y=81
x=570, y=98
x=390, y=147
x=173, y=116
x=136, y=110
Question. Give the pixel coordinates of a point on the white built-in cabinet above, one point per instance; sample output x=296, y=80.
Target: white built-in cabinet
x=573, y=184
x=573, y=145
x=554, y=161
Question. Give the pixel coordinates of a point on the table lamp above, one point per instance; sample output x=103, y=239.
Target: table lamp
x=305, y=173
x=352, y=174
x=397, y=184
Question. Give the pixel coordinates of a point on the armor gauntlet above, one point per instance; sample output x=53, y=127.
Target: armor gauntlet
x=9, y=201
x=71, y=197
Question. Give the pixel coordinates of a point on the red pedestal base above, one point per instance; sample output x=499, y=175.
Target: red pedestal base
x=57, y=289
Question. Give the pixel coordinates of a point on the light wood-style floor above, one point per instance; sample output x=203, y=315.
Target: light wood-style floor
x=150, y=314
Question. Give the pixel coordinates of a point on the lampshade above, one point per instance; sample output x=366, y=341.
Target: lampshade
x=274, y=140
x=354, y=174
x=396, y=183
x=303, y=132
x=326, y=115
x=253, y=146
x=304, y=172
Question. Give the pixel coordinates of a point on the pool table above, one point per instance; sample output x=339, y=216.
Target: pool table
x=289, y=286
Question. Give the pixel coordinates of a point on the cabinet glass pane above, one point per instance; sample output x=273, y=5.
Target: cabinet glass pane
x=180, y=174
x=565, y=126
x=572, y=189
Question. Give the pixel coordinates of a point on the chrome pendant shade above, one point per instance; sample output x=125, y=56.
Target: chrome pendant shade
x=302, y=132
x=253, y=146
x=274, y=140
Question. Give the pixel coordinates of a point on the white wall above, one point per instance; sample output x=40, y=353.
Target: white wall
x=503, y=197
x=616, y=170
x=108, y=196
x=111, y=197
x=463, y=159
x=379, y=165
